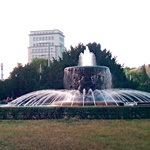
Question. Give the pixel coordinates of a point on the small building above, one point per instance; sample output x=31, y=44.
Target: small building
x=46, y=44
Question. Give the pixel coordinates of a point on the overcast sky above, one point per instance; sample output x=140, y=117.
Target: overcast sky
x=121, y=26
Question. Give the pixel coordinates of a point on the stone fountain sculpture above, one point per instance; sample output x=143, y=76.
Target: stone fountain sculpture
x=87, y=75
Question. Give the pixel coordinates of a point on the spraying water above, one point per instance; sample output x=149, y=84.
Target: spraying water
x=87, y=58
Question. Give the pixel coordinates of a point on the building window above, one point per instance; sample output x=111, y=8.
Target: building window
x=61, y=39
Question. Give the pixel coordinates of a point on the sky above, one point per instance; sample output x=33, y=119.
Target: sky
x=120, y=26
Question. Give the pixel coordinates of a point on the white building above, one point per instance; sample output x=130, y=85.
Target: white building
x=47, y=44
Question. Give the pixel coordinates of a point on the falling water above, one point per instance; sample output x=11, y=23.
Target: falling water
x=75, y=98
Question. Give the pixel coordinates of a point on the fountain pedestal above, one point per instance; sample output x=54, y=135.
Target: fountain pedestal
x=87, y=77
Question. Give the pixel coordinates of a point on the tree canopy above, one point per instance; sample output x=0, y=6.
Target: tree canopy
x=140, y=77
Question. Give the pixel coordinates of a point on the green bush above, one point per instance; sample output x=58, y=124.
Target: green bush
x=124, y=112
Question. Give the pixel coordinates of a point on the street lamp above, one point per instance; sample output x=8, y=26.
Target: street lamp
x=48, y=51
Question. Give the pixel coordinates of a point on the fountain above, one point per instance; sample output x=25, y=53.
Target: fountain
x=85, y=85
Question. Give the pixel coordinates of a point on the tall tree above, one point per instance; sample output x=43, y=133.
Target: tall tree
x=24, y=79
x=139, y=77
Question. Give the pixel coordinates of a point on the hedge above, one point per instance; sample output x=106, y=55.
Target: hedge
x=115, y=112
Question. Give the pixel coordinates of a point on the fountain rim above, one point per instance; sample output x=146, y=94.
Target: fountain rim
x=104, y=67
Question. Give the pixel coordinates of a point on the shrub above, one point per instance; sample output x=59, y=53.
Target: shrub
x=112, y=112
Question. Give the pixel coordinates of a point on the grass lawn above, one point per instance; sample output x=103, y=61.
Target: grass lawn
x=75, y=134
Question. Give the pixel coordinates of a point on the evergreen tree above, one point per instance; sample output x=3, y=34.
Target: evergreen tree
x=24, y=79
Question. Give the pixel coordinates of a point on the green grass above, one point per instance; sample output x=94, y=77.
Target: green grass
x=75, y=134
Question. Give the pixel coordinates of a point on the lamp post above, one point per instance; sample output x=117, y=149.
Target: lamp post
x=48, y=51
x=48, y=54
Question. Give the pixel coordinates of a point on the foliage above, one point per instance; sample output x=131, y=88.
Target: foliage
x=139, y=77
x=39, y=62
x=24, y=79
x=5, y=89
x=136, y=112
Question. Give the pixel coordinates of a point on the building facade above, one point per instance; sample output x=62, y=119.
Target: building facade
x=46, y=44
